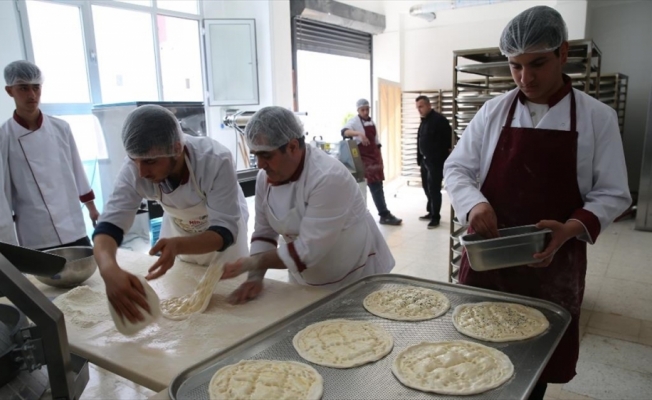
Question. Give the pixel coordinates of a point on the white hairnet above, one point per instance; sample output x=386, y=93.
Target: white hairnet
x=151, y=131
x=23, y=72
x=271, y=128
x=362, y=103
x=538, y=29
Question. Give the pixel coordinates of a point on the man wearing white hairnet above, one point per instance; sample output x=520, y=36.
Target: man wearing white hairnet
x=194, y=180
x=313, y=201
x=48, y=181
x=363, y=130
x=543, y=154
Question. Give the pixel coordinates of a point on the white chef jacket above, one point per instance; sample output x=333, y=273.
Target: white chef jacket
x=48, y=183
x=601, y=169
x=356, y=124
x=214, y=170
x=7, y=232
x=330, y=206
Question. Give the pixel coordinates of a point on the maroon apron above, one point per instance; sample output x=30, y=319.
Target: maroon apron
x=370, y=154
x=533, y=176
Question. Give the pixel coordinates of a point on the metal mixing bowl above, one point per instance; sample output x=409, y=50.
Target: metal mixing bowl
x=80, y=266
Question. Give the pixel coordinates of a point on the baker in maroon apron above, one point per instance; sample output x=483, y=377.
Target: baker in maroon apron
x=363, y=129
x=520, y=154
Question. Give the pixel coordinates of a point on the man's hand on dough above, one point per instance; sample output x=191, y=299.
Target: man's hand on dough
x=125, y=291
x=247, y=291
x=168, y=249
x=242, y=265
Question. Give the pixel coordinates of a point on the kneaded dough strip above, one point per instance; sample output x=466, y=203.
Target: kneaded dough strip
x=182, y=307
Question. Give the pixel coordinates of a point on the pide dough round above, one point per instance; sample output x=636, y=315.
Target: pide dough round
x=264, y=380
x=124, y=326
x=178, y=308
x=342, y=343
x=407, y=303
x=452, y=368
x=499, y=322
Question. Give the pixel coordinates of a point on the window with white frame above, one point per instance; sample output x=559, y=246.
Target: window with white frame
x=111, y=51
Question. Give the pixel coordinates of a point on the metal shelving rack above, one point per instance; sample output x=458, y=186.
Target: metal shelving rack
x=471, y=92
x=613, y=92
x=442, y=102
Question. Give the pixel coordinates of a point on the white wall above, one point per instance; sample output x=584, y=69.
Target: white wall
x=622, y=30
x=427, y=47
x=11, y=49
x=273, y=43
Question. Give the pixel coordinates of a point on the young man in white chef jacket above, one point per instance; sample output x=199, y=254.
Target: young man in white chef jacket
x=194, y=180
x=48, y=182
x=315, y=204
x=7, y=232
x=543, y=154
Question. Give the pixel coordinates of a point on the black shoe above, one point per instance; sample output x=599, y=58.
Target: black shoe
x=426, y=217
x=433, y=224
x=390, y=220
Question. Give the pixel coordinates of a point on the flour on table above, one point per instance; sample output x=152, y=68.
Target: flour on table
x=499, y=322
x=453, y=368
x=83, y=307
x=182, y=307
x=342, y=343
x=407, y=303
x=266, y=379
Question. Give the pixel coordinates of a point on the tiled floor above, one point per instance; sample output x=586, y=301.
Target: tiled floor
x=616, y=351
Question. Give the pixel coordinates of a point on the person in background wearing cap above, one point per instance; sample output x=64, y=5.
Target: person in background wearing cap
x=543, y=154
x=315, y=204
x=363, y=130
x=433, y=146
x=194, y=180
x=48, y=181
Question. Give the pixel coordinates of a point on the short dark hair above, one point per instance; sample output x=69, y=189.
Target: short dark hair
x=424, y=98
x=302, y=144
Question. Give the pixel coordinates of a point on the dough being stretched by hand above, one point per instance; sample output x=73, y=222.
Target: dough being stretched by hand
x=178, y=308
x=127, y=328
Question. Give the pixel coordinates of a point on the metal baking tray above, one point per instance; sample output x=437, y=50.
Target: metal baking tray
x=375, y=380
x=514, y=247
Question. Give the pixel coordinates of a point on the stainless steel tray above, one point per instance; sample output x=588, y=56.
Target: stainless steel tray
x=376, y=381
x=514, y=247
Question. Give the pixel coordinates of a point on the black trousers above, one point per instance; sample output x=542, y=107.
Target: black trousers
x=85, y=241
x=378, y=194
x=431, y=177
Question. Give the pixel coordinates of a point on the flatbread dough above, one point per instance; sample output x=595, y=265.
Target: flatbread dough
x=178, y=308
x=407, y=303
x=499, y=322
x=452, y=368
x=127, y=328
x=264, y=379
x=342, y=343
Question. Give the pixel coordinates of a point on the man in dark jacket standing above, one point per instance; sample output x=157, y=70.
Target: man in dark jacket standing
x=433, y=146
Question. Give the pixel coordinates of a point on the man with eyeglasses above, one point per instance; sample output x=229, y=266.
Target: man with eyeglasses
x=310, y=199
x=194, y=180
x=48, y=181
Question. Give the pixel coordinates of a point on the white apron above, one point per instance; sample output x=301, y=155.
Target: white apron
x=192, y=221
x=356, y=254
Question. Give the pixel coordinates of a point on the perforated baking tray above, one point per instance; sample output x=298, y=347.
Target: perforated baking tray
x=376, y=381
